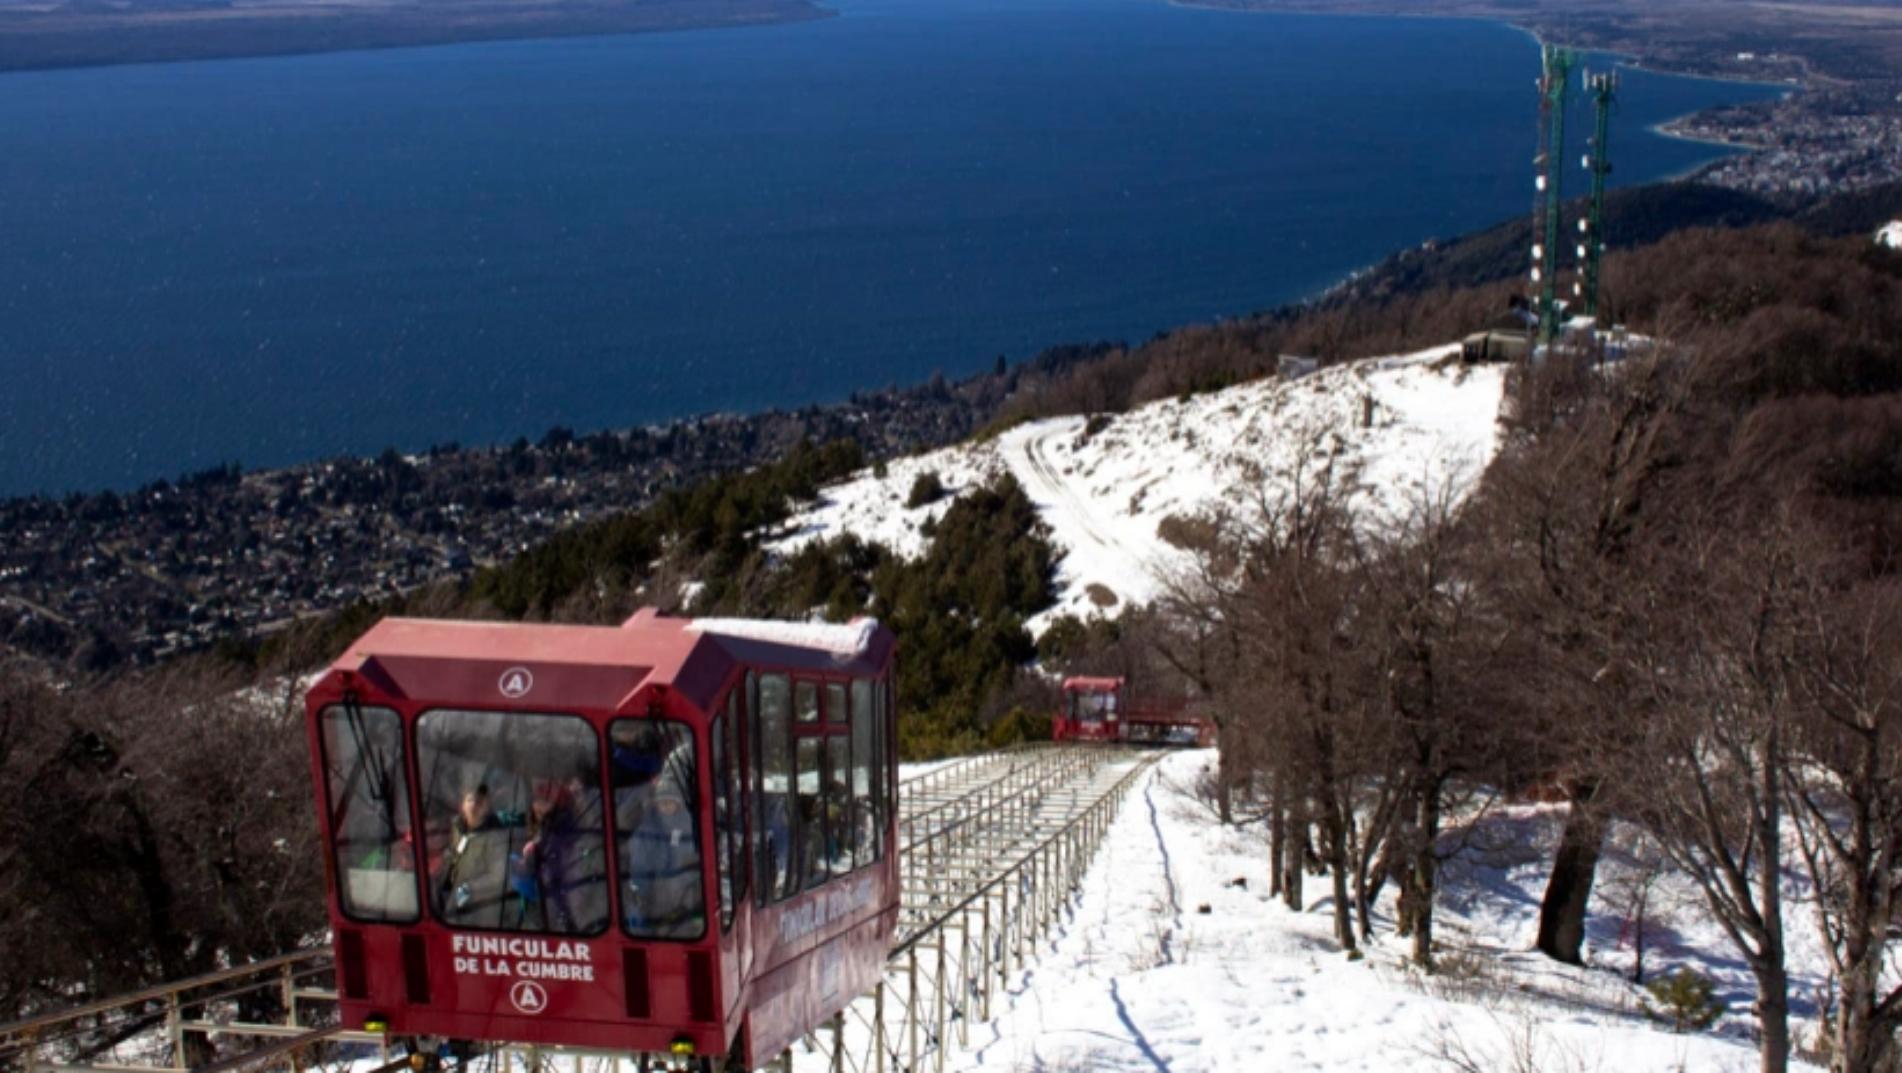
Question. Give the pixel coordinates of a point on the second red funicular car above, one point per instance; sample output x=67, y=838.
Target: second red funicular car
x=1100, y=710
x=674, y=837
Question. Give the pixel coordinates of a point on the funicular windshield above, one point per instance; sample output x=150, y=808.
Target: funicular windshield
x=513, y=821
x=368, y=796
x=656, y=803
x=1092, y=706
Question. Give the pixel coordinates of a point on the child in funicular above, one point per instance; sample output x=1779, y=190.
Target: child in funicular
x=663, y=867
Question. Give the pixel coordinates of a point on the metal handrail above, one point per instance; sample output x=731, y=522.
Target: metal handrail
x=160, y=991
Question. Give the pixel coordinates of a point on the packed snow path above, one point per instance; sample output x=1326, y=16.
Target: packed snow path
x=1232, y=980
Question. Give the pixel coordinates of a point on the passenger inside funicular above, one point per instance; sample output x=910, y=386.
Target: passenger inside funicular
x=655, y=811
x=513, y=821
x=1092, y=706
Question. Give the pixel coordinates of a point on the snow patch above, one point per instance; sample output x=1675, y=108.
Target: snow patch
x=1391, y=429
x=1174, y=958
x=1890, y=236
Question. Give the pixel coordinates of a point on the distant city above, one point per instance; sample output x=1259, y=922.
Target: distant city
x=1812, y=144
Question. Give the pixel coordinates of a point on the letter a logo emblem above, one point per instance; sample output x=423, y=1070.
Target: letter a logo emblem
x=528, y=997
x=516, y=682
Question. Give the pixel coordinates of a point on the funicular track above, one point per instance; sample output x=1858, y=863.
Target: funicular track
x=991, y=848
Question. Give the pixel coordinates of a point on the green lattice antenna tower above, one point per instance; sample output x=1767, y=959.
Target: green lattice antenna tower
x=1603, y=89
x=1548, y=207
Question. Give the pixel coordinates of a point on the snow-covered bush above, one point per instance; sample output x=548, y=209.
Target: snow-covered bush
x=1686, y=1000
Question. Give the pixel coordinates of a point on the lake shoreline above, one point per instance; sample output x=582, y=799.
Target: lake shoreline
x=134, y=40
x=1666, y=128
x=1625, y=59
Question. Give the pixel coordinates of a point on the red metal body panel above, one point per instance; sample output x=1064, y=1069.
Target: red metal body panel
x=777, y=972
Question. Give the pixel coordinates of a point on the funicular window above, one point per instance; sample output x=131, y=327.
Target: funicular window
x=773, y=794
x=722, y=815
x=512, y=813
x=734, y=855
x=807, y=701
x=888, y=753
x=1090, y=706
x=835, y=702
x=368, y=795
x=838, y=804
x=730, y=852
x=811, y=808
x=866, y=826
x=657, y=836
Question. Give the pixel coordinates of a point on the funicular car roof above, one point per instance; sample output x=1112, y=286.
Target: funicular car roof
x=443, y=661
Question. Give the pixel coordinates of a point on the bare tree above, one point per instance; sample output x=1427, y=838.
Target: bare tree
x=1709, y=642
x=161, y=825
x=1448, y=729
x=1568, y=507
x=1847, y=803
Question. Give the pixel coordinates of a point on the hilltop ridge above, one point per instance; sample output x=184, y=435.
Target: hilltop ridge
x=1119, y=491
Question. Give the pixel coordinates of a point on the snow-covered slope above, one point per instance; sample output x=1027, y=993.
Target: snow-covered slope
x=1429, y=424
x=1166, y=963
x=1890, y=236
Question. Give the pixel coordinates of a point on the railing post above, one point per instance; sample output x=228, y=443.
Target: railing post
x=838, y=1042
x=1003, y=930
x=939, y=1035
x=963, y=1005
x=986, y=970
x=175, y=1030
x=911, y=1005
x=878, y=1027
x=289, y=987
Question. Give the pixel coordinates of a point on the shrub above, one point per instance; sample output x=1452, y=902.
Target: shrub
x=1095, y=426
x=1019, y=725
x=1686, y=999
x=925, y=490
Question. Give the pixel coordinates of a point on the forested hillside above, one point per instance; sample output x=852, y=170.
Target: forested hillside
x=1635, y=217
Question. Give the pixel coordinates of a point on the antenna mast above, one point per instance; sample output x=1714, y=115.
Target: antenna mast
x=1603, y=89
x=1548, y=207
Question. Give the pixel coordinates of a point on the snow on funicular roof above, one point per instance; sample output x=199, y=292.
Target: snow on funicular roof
x=850, y=640
x=859, y=647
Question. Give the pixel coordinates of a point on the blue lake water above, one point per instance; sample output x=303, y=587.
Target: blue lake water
x=274, y=260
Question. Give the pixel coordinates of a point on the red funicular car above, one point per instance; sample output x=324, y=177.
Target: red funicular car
x=674, y=837
x=1100, y=709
